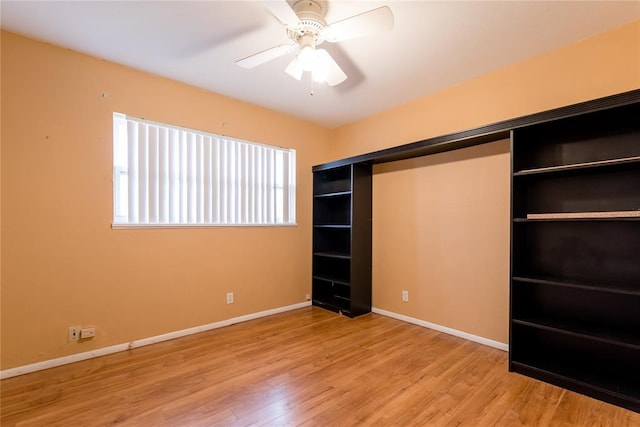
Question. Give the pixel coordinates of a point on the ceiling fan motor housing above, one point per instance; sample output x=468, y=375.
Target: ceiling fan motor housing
x=312, y=22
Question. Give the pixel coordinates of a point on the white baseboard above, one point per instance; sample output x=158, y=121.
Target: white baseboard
x=446, y=330
x=26, y=369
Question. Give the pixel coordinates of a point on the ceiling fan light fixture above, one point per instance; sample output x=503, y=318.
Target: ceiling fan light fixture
x=307, y=28
x=319, y=75
x=294, y=69
x=307, y=57
x=311, y=60
x=334, y=73
x=320, y=70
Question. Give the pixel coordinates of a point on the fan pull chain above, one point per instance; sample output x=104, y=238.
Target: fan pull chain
x=311, y=86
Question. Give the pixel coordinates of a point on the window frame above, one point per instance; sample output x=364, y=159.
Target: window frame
x=120, y=220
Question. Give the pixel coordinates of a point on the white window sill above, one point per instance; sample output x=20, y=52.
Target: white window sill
x=117, y=226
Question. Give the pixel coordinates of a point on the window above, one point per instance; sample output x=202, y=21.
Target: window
x=166, y=175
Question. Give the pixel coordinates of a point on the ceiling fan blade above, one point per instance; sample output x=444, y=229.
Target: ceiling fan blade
x=373, y=21
x=281, y=10
x=264, y=56
x=334, y=74
x=294, y=69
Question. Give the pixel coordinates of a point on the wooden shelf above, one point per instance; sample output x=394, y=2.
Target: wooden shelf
x=336, y=194
x=329, y=240
x=334, y=306
x=625, y=338
x=597, y=368
x=332, y=181
x=585, y=215
x=561, y=168
x=524, y=220
x=627, y=290
x=338, y=255
x=618, y=389
x=598, y=252
x=329, y=279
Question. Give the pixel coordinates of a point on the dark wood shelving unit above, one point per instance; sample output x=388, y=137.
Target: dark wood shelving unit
x=341, y=279
x=575, y=240
x=575, y=260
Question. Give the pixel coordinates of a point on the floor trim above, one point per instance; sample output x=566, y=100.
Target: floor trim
x=39, y=366
x=440, y=328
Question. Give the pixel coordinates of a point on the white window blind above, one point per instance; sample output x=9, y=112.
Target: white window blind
x=167, y=175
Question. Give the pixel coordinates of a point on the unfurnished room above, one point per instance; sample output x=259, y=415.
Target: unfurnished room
x=320, y=213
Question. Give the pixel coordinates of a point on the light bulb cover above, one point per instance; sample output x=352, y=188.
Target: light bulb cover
x=307, y=58
x=320, y=70
x=294, y=69
x=322, y=66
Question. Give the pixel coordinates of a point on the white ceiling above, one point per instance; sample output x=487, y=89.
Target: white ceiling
x=435, y=44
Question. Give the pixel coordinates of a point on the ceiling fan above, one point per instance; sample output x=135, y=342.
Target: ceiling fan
x=307, y=28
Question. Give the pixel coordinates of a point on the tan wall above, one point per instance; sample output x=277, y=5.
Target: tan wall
x=441, y=223
x=441, y=232
x=63, y=265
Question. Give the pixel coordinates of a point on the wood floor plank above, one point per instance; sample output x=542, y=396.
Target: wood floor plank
x=308, y=367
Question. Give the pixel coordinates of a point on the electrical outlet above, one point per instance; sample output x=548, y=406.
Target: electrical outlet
x=308, y=297
x=87, y=333
x=74, y=333
x=229, y=297
x=405, y=296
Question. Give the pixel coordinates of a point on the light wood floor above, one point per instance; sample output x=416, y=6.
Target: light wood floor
x=305, y=367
